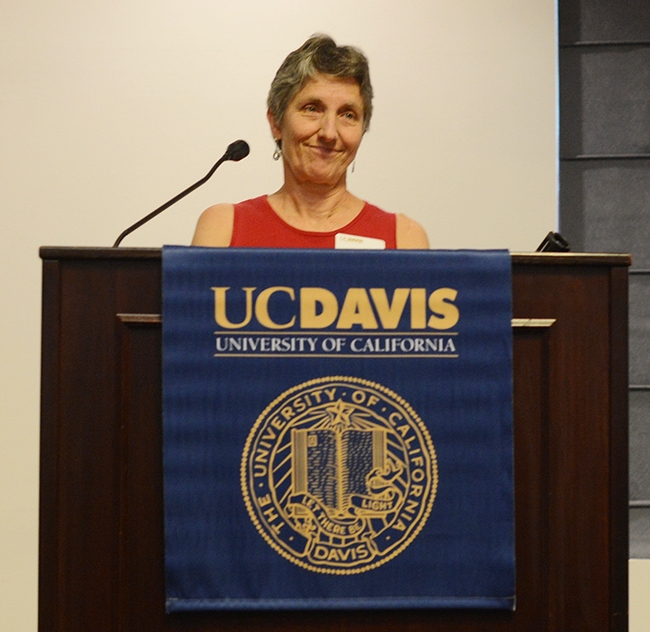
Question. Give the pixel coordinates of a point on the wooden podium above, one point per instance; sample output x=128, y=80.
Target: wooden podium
x=101, y=520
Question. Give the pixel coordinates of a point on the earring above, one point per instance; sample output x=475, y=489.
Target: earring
x=277, y=154
x=354, y=162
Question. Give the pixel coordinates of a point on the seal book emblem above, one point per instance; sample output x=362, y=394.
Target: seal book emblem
x=339, y=475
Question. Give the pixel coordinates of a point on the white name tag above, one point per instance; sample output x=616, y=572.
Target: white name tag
x=356, y=242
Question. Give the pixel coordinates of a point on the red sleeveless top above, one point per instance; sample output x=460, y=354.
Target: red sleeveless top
x=257, y=225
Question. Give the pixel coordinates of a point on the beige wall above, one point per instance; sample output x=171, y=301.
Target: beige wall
x=639, y=589
x=107, y=109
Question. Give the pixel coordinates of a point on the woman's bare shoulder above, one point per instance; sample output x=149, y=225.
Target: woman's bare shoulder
x=214, y=227
x=410, y=235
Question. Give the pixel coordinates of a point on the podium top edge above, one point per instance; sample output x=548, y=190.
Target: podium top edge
x=79, y=252
x=518, y=258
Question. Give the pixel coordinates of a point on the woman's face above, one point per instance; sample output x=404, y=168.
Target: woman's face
x=321, y=130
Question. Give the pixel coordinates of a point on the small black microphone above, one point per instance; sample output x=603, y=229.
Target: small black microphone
x=236, y=151
x=554, y=242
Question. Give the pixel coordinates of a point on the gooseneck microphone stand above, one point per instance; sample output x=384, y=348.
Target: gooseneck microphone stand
x=236, y=151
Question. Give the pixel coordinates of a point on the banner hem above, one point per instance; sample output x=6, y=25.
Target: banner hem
x=380, y=603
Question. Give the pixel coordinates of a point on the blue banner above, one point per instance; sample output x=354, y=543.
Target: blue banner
x=337, y=429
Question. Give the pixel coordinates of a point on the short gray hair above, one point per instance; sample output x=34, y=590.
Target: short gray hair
x=319, y=54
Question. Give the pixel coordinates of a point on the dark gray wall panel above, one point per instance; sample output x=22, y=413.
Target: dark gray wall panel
x=605, y=100
x=640, y=445
x=640, y=330
x=640, y=532
x=604, y=20
x=606, y=207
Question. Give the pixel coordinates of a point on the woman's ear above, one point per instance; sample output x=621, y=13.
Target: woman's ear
x=275, y=128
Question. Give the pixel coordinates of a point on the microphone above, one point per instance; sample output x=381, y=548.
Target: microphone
x=236, y=151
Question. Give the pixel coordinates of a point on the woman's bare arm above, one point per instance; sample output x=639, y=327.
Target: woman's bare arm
x=410, y=235
x=214, y=227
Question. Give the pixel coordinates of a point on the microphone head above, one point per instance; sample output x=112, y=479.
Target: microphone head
x=237, y=150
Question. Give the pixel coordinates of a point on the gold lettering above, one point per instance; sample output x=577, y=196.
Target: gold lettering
x=394, y=418
x=287, y=412
x=277, y=527
x=318, y=308
x=261, y=456
x=300, y=405
x=270, y=514
x=262, y=307
x=277, y=423
x=220, y=308
x=411, y=506
x=445, y=313
x=418, y=475
x=389, y=313
x=356, y=310
x=418, y=308
x=320, y=552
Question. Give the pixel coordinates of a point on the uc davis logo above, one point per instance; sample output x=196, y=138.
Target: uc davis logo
x=339, y=475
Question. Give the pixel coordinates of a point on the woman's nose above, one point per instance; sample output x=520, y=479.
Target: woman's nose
x=327, y=130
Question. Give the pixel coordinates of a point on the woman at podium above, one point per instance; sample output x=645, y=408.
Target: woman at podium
x=319, y=108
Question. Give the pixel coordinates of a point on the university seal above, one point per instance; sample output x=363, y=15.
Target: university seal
x=339, y=475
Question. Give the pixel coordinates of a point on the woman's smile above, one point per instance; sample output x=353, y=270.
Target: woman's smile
x=325, y=152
